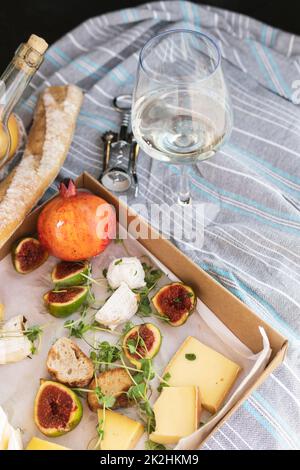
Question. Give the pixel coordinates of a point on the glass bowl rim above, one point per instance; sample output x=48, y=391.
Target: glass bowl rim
x=181, y=30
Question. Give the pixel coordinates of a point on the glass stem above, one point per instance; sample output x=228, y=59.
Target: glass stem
x=184, y=196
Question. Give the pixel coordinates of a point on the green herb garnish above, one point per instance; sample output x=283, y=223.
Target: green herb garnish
x=164, y=383
x=150, y=445
x=127, y=327
x=152, y=276
x=144, y=309
x=190, y=357
x=104, y=400
x=105, y=354
x=34, y=334
x=132, y=345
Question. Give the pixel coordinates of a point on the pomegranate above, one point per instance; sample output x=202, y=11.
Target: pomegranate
x=76, y=225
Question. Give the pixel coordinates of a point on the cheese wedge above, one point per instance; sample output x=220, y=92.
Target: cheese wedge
x=197, y=364
x=120, y=432
x=119, y=308
x=177, y=414
x=41, y=444
x=10, y=438
x=14, y=345
x=128, y=270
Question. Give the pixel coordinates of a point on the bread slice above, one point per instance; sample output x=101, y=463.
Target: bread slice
x=114, y=382
x=68, y=364
x=48, y=143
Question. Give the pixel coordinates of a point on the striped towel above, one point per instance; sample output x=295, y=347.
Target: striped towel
x=252, y=246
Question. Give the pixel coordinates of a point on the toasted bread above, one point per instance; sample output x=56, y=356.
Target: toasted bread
x=68, y=365
x=113, y=382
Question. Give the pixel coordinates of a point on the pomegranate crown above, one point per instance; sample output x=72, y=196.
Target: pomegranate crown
x=67, y=188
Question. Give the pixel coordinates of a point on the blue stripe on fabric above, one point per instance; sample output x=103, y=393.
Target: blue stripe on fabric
x=96, y=73
x=280, y=184
x=134, y=13
x=25, y=105
x=183, y=10
x=95, y=64
x=264, y=31
x=262, y=421
x=228, y=275
x=106, y=122
x=277, y=72
x=196, y=13
x=86, y=72
x=52, y=60
x=246, y=153
x=119, y=80
x=83, y=122
x=261, y=65
x=274, y=35
x=61, y=53
x=232, y=208
x=277, y=417
x=245, y=200
x=68, y=59
x=125, y=17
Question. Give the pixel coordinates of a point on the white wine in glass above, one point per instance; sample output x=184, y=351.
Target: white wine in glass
x=181, y=108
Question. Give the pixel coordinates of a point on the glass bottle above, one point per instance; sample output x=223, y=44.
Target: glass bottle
x=27, y=59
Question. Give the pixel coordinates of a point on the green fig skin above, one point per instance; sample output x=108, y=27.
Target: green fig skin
x=75, y=416
x=76, y=279
x=62, y=310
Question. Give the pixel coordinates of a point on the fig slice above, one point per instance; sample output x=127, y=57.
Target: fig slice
x=141, y=342
x=68, y=273
x=28, y=254
x=175, y=302
x=63, y=302
x=57, y=409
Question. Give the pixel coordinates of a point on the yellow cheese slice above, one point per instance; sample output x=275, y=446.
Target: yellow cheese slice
x=177, y=414
x=41, y=444
x=120, y=432
x=212, y=372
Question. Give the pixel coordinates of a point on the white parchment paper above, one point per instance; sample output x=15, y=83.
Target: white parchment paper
x=19, y=382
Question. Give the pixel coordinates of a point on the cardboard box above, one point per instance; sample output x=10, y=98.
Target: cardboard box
x=230, y=310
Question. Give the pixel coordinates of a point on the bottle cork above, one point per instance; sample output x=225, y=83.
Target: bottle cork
x=29, y=55
x=37, y=43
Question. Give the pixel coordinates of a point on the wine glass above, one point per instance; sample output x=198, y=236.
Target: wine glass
x=181, y=110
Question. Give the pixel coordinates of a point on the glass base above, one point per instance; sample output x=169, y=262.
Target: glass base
x=184, y=199
x=177, y=182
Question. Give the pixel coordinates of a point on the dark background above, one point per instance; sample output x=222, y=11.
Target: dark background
x=53, y=18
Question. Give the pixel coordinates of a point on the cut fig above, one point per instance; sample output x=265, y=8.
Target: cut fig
x=68, y=273
x=141, y=342
x=57, y=409
x=175, y=302
x=64, y=302
x=28, y=254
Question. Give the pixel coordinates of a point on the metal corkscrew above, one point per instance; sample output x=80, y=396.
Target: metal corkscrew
x=108, y=138
x=120, y=152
